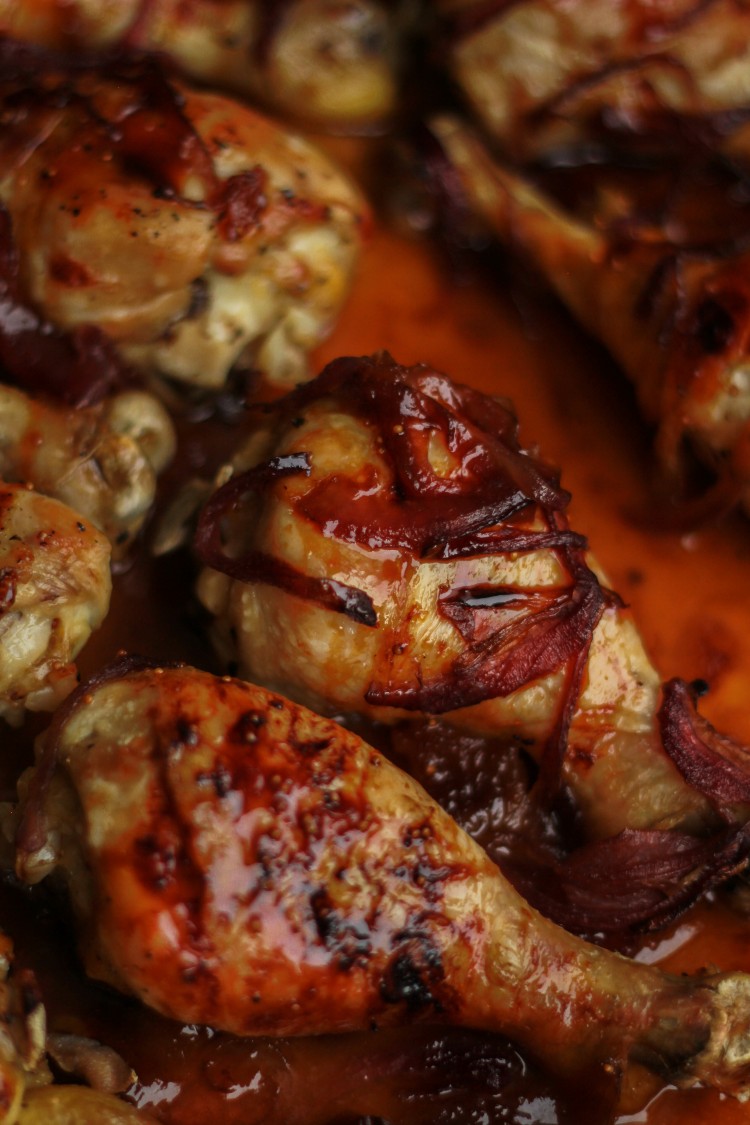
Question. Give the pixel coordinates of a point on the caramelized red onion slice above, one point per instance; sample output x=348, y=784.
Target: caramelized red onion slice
x=502, y=540
x=258, y=566
x=553, y=626
x=715, y=765
x=419, y=510
x=640, y=880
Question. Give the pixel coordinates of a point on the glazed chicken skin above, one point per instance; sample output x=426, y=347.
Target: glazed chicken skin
x=236, y=860
x=102, y=460
x=175, y=231
x=330, y=64
x=55, y=582
x=676, y=318
x=554, y=78
x=384, y=521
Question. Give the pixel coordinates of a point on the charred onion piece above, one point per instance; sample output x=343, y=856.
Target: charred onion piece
x=238, y=861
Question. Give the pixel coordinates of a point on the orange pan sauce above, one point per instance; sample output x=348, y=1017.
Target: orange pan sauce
x=494, y=330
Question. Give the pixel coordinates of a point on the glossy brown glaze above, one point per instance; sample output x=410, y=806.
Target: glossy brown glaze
x=239, y=862
x=688, y=595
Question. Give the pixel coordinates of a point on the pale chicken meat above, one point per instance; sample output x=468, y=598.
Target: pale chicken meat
x=552, y=78
x=674, y=316
x=101, y=460
x=236, y=860
x=386, y=548
x=55, y=578
x=331, y=63
x=170, y=230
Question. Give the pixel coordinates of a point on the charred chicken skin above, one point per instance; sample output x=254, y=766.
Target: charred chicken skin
x=554, y=77
x=145, y=224
x=385, y=521
x=237, y=860
x=676, y=318
x=327, y=63
x=55, y=582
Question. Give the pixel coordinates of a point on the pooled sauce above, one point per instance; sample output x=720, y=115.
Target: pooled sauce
x=496, y=332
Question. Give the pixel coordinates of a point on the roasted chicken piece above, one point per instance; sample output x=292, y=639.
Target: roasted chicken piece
x=165, y=228
x=675, y=317
x=22, y=1035
x=102, y=460
x=330, y=63
x=386, y=548
x=54, y=591
x=549, y=78
x=236, y=860
x=77, y=1105
x=26, y=1094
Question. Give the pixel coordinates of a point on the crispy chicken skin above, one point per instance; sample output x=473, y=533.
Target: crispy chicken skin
x=102, y=461
x=677, y=319
x=388, y=550
x=237, y=860
x=55, y=582
x=329, y=63
x=188, y=229
x=550, y=76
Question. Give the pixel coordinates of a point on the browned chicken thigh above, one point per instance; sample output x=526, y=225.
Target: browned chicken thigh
x=387, y=548
x=331, y=63
x=548, y=78
x=55, y=583
x=237, y=860
x=102, y=460
x=675, y=316
x=150, y=225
